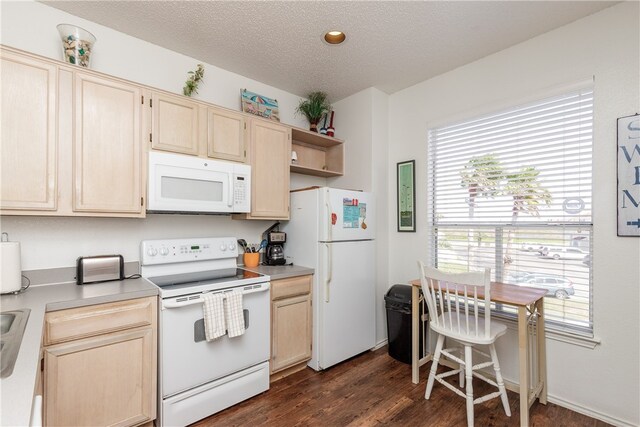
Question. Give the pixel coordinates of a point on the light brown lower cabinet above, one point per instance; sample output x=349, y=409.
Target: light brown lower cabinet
x=291, y=318
x=104, y=380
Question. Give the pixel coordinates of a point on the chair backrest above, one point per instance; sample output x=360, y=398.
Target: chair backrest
x=452, y=300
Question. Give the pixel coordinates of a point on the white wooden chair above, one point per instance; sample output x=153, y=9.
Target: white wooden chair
x=452, y=301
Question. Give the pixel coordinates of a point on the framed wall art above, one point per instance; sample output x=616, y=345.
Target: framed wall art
x=406, y=196
x=259, y=105
x=629, y=176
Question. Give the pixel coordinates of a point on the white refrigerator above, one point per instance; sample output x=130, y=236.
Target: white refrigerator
x=332, y=231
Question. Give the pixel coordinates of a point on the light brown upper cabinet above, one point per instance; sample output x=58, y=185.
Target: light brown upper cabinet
x=226, y=135
x=29, y=141
x=269, y=152
x=107, y=171
x=174, y=123
x=71, y=140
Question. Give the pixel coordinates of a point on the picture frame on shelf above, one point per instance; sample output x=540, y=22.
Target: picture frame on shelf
x=259, y=105
x=406, y=181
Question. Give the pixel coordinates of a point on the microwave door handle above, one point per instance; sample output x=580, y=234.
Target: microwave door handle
x=230, y=198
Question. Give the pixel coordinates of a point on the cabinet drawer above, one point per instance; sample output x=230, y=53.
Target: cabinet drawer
x=285, y=288
x=82, y=322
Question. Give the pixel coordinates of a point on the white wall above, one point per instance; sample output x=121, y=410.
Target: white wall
x=57, y=242
x=362, y=120
x=604, y=380
x=380, y=176
x=354, y=123
x=31, y=26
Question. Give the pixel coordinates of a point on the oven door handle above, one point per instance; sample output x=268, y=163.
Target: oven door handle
x=172, y=303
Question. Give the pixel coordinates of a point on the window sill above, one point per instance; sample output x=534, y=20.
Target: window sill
x=556, y=335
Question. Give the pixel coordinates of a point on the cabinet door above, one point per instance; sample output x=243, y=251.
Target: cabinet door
x=106, y=380
x=226, y=135
x=291, y=332
x=174, y=124
x=29, y=143
x=270, y=154
x=107, y=165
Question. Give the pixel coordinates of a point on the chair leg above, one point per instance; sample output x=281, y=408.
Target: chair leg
x=434, y=366
x=503, y=391
x=461, y=374
x=468, y=369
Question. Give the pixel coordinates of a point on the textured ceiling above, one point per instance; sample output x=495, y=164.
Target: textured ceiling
x=390, y=45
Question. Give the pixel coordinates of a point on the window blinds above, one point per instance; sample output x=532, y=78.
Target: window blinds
x=512, y=191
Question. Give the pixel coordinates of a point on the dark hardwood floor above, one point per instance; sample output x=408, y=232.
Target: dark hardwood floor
x=374, y=389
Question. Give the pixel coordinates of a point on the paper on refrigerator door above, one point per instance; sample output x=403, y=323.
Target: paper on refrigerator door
x=354, y=213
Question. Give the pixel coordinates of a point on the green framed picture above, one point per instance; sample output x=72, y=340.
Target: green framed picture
x=407, y=196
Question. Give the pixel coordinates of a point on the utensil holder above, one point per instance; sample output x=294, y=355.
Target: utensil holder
x=251, y=259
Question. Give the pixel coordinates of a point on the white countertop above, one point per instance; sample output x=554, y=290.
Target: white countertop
x=17, y=390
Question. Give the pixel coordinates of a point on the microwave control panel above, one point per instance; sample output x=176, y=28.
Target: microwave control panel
x=241, y=193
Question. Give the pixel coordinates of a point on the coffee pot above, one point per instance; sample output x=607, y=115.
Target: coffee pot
x=275, y=248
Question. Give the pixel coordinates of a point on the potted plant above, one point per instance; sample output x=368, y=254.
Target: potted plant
x=313, y=108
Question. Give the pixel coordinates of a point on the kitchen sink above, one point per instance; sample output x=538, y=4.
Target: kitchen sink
x=12, y=324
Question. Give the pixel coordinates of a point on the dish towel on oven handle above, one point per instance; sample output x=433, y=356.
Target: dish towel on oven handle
x=234, y=314
x=214, y=320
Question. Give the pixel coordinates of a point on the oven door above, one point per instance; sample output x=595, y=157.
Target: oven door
x=189, y=184
x=188, y=360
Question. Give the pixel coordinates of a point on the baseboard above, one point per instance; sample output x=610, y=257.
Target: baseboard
x=588, y=412
x=380, y=344
x=512, y=386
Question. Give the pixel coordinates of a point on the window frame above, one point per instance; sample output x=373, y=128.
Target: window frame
x=561, y=329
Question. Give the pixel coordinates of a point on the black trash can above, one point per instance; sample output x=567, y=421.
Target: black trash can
x=398, y=305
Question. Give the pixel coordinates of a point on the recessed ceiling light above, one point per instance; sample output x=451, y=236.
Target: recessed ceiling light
x=334, y=37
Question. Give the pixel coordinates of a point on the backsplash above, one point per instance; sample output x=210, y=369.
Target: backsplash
x=50, y=242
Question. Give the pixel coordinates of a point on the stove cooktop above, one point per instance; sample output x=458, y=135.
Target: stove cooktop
x=211, y=279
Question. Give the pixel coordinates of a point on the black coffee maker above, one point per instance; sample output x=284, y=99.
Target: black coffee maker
x=275, y=245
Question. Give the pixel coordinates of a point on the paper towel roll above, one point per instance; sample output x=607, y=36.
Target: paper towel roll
x=11, y=272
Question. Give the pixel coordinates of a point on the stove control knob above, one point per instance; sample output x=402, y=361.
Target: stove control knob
x=152, y=252
x=164, y=251
x=232, y=246
x=223, y=247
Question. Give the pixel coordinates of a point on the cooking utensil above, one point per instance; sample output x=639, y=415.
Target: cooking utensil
x=263, y=245
x=243, y=244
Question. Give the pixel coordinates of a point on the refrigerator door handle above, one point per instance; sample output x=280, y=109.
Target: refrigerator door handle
x=330, y=223
x=329, y=274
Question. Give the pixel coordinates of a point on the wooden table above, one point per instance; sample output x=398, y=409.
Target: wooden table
x=529, y=303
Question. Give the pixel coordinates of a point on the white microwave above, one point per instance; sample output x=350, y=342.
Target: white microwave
x=179, y=183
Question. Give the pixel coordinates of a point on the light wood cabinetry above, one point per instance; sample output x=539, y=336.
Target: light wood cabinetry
x=290, y=324
x=107, y=151
x=74, y=142
x=188, y=127
x=71, y=141
x=269, y=152
x=174, y=124
x=226, y=135
x=29, y=142
x=317, y=154
x=102, y=371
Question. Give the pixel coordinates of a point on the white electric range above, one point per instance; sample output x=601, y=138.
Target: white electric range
x=199, y=378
